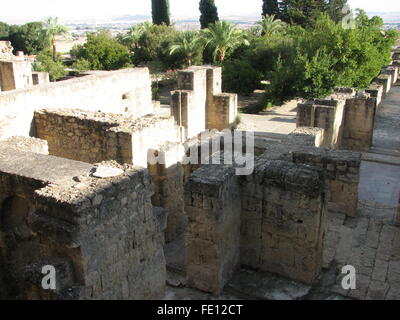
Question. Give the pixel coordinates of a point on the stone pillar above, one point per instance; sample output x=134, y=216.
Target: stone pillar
x=168, y=174
x=212, y=203
x=386, y=81
x=282, y=221
x=189, y=101
x=359, y=123
x=393, y=71
x=223, y=113
x=376, y=91
x=40, y=78
x=342, y=175
x=15, y=74
x=325, y=114
x=307, y=136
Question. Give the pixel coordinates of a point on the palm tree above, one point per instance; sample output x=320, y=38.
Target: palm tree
x=188, y=43
x=53, y=29
x=270, y=26
x=223, y=37
x=132, y=37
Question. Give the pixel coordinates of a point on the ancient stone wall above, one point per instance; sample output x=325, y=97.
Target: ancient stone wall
x=96, y=136
x=341, y=170
x=386, y=81
x=376, y=91
x=26, y=144
x=40, y=78
x=306, y=136
x=212, y=203
x=325, y=114
x=100, y=234
x=283, y=219
x=189, y=102
x=199, y=103
x=15, y=74
x=116, y=91
x=359, y=121
x=168, y=179
x=223, y=113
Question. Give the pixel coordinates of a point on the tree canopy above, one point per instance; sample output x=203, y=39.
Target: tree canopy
x=208, y=13
x=160, y=12
x=103, y=52
x=30, y=38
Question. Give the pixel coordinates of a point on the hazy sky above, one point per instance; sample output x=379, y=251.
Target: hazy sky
x=38, y=9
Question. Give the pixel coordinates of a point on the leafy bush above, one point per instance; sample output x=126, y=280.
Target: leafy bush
x=103, y=52
x=240, y=77
x=4, y=30
x=312, y=62
x=31, y=38
x=44, y=63
x=154, y=44
x=81, y=65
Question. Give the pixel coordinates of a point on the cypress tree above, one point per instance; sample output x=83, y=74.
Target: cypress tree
x=270, y=7
x=209, y=13
x=160, y=12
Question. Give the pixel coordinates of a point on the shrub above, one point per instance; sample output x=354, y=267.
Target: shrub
x=44, y=63
x=240, y=77
x=103, y=52
x=30, y=38
x=81, y=65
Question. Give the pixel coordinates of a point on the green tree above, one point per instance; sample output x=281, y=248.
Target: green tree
x=222, y=38
x=103, y=52
x=270, y=26
x=131, y=39
x=53, y=29
x=336, y=9
x=81, y=65
x=270, y=7
x=4, y=30
x=44, y=63
x=189, y=44
x=160, y=12
x=240, y=76
x=305, y=12
x=208, y=13
x=30, y=38
x=154, y=47
x=316, y=60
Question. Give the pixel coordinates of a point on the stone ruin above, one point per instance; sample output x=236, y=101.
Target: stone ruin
x=16, y=71
x=94, y=182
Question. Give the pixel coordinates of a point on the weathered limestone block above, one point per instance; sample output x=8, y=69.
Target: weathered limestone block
x=212, y=203
x=101, y=235
x=341, y=171
x=6, y=50
x=168, y=178
x=223, y=113
x=26, y=144
x=15, y=74
x=189, y=107
x=376, y=91
x=325, y=114
x=40, y=78
x=386, y=81
x=283, y=219
x=122, y=91
x=359, y=120
x=95, y=136
x=307, y=136
x=393, y=71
